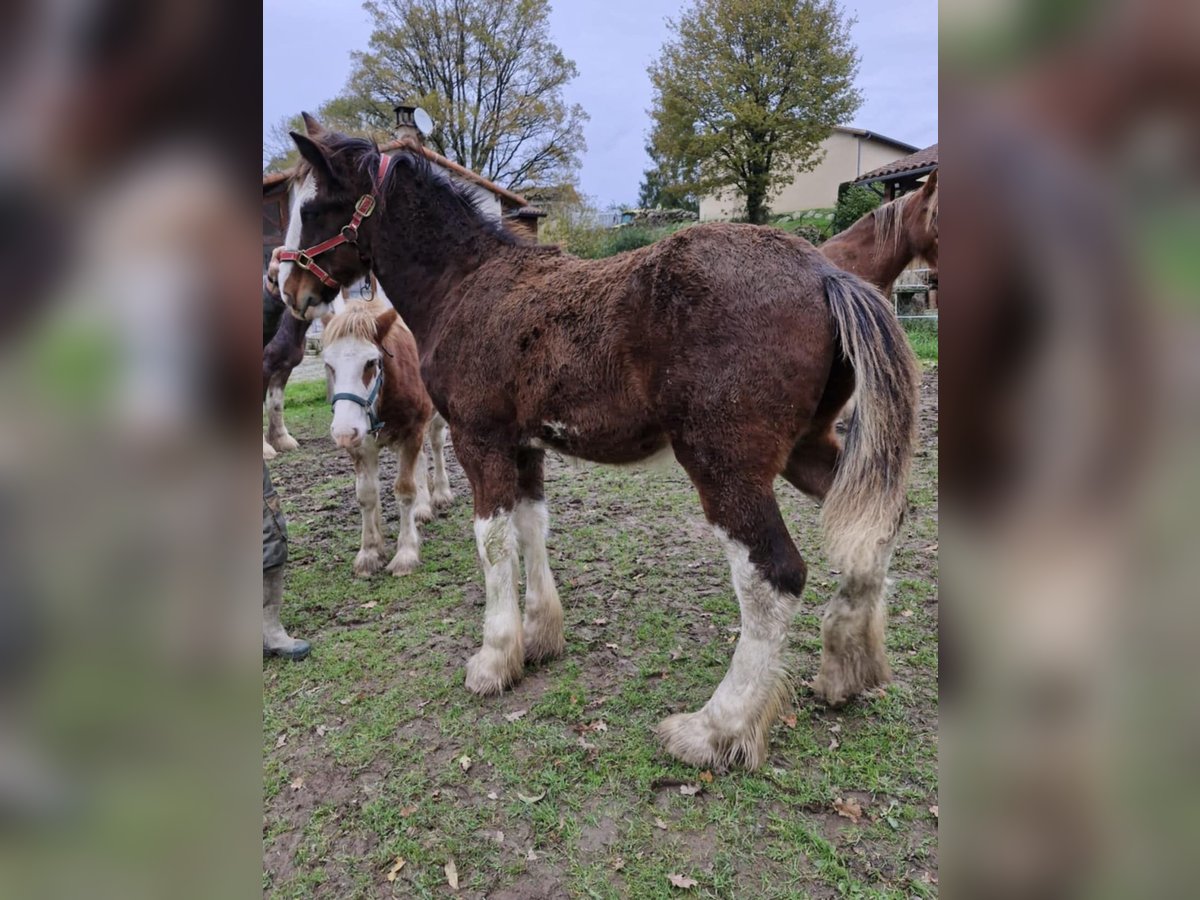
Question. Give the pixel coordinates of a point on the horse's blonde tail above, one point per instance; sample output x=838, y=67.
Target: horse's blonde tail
x=865, y=505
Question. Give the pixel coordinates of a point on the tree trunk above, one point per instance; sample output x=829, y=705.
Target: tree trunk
x=756, y=206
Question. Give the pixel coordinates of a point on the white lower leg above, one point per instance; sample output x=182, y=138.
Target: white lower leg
x=543, y=629
x=500, y=661
x=408, y=545
x=442, y=495
x=268, y=450
x=277, y=433
x=853, y=654
x=733, y=726
x=422, y=508
x=366, y=488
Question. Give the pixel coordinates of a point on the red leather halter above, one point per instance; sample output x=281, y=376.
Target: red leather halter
x=348, y=235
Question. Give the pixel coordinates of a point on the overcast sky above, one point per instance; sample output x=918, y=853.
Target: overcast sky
x=307, y=45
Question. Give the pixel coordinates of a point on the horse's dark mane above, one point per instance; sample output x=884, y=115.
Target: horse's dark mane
x=457, y=199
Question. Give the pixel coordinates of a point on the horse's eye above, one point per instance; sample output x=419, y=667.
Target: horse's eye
x=371, y=364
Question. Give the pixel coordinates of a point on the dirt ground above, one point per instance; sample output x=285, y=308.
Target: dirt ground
x=384, y=777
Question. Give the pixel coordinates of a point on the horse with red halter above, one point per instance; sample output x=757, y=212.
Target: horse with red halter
x=882, y=243
x=731, y=346
x=374, y=380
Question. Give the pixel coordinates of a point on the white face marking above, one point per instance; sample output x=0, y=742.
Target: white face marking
x=303, y=194
x=346, y=361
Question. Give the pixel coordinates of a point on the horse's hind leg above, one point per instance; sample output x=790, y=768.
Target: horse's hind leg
x=442, y=495
x=812, y=463
x=492, y=472
x=543, y=626
x=768, y=576
x=422, y=508
x=410, y=460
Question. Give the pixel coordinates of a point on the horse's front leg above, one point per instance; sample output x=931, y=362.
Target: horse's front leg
x=543, y=628
x=408, y=546
x=366, y=488
x=500, y=662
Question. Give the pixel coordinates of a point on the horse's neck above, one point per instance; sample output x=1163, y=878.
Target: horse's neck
x=879, y=262
x=418, y=280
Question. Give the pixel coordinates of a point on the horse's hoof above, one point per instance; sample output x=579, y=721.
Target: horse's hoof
x=268, y=450
x=443, y=499
x=294, y=651
x=404, y=562
x=691, y=738
x=423, y=513
x=367, y=563
x=285, y=442
x=490, y=671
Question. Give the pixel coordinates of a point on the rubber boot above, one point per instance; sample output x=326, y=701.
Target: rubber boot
x=276, y=641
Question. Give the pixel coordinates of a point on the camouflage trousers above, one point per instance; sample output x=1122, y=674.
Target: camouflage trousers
x=274, y=526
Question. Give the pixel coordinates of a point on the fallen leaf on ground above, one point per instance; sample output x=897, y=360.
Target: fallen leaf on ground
x=849, y=809
x=906, y=613
x=452, y=875
x=492, y=795
x=516, y=714
x=531, y=856
x=835, y=728
x=613, y=646
x=659, y=823
x=298, y=783
x=618, y=864
x=690, y=790
x=407, y=811
x=706, y=776
x=371, y=604
x=833, y=744
x=682, y=881
x=321, y=729
x=600, y=621
x=395, y=869
x=465, y=762
x=526, y=798
x=497, y=836
x=281, y=741
x=789, y=720
x=934, y=810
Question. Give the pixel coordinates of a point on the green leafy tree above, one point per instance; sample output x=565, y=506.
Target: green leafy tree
x=746, y=91
x=663, y=188
x=853, y=203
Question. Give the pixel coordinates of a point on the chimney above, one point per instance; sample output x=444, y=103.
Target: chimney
x=405, y=126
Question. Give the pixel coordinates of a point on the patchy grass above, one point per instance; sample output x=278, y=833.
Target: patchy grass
x=924, y=338
x=363, y=742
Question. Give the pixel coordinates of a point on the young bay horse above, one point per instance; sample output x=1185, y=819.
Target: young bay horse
x=882, y=243
x=732, y=346
x=374, y=380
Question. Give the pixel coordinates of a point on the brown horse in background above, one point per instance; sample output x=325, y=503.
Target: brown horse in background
x=879, y=246
x=378, y=400
x=732, y=346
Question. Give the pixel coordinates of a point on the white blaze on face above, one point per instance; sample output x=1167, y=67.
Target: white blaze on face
x=303, y=194
x=346, y=361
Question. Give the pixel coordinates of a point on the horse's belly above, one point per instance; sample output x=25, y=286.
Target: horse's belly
x=613, y=446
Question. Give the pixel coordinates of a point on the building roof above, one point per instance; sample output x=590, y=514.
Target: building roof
x=875, y=136
x=914, y=164
x=273, y=178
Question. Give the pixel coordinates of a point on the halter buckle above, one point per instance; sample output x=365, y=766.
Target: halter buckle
x=350, y=233
x=303, y=260
x=365, y=205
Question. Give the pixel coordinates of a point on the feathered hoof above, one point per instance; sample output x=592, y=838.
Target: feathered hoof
x=543, y=642
x=691, y=738
x=368, y=562
x=284, y=443
x=842, y=678
x=268, y=450
x=490, y=671
x=423, y=512
x=443, y=499
x=405, y=561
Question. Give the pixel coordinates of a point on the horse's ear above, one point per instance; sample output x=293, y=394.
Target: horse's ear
x=383, y=324
x=314, y=155
x=312, y=126
x=931, y=182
